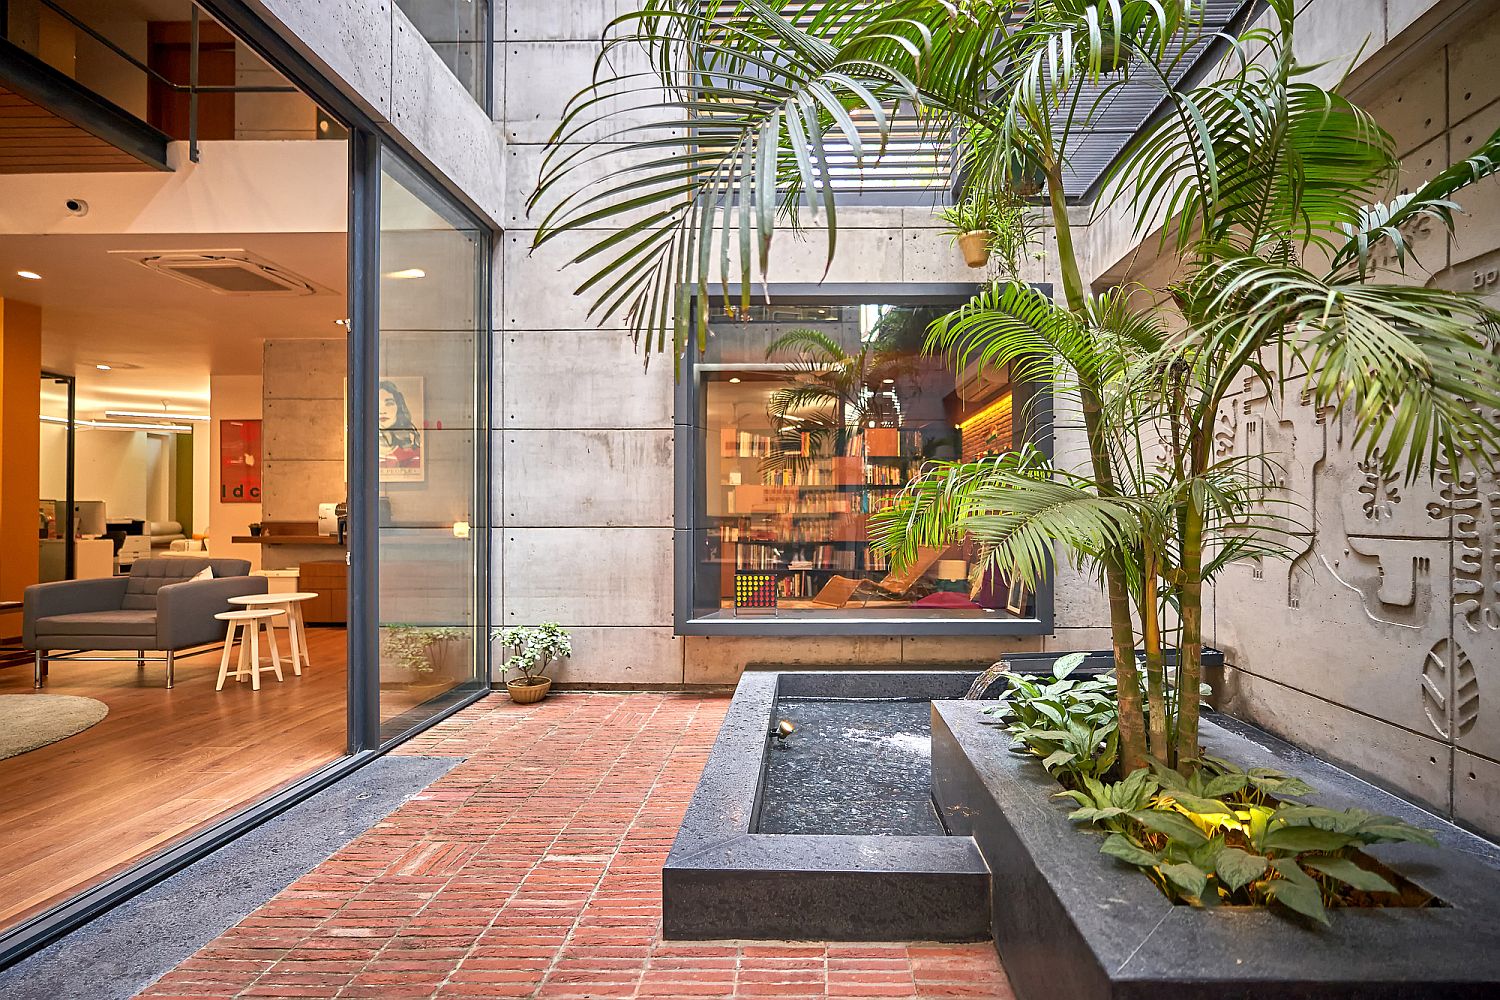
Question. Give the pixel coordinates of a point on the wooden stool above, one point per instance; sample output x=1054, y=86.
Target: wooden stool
x=296, y=629
x=249, y=624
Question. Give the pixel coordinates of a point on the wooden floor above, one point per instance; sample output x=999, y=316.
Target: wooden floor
x=160, y=765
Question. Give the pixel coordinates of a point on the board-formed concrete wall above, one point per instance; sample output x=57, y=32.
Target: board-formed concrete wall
x=1380, y=643
x=584, y=435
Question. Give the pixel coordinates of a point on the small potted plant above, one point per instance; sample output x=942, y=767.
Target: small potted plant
x=969, y=225
x=534, y=647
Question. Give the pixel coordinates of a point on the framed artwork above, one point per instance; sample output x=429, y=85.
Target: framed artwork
x=239, y=461
x=401, y=440
x=1017, y=597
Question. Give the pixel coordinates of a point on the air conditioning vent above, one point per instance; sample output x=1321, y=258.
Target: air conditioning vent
x=226, y=272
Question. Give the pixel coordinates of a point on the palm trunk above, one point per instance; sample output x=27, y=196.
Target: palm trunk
x=1159, y=743
x=1190, y=653
x=1121, y=628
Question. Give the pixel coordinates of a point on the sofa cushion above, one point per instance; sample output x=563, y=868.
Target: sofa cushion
x=99, y=623
x=147, y=576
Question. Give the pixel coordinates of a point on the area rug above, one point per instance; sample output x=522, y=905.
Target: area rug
x=29, y=721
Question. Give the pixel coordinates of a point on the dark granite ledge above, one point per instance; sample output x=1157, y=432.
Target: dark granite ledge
x=1072, y=924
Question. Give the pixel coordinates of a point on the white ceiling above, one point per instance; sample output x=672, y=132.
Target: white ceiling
x=162, y=336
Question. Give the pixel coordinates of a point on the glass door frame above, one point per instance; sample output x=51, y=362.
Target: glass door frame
x=363, y=705
x=366, y=151
x=70, y=544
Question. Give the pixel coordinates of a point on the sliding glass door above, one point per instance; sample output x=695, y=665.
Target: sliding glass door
x=430, y=450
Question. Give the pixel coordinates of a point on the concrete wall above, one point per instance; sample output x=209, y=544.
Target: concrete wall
x=371, y=50
x=302, y=413
x=584, y=436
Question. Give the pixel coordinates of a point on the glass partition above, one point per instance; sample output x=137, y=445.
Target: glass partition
x=429, y=450
x=458, y=30
x=809, y=419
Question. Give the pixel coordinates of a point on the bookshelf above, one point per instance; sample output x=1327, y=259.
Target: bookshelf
x=806, y=517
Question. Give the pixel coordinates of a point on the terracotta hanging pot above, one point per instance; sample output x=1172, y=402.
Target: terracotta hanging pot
x=976, y=247
x=528, y=694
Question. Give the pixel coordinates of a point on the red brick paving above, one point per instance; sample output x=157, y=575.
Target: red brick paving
x=532, y=869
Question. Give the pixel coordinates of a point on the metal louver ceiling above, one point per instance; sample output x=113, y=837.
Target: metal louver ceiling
x=916, y=160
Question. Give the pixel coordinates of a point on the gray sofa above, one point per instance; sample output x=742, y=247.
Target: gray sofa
x=157, y=607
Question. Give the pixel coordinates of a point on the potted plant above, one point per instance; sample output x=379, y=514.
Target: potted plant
x=534, y=648
x=970, y=225
x=421, y=653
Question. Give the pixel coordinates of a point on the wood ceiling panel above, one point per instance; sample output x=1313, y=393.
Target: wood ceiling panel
x=33, y=140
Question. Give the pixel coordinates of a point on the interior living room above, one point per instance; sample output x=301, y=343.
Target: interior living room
x=175, y=337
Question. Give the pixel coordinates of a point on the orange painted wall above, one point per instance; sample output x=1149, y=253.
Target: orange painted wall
x=20, y=447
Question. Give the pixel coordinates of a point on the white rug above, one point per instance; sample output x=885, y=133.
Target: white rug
x=29, y=721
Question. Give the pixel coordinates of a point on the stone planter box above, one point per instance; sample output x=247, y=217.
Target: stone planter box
x=1073, y=924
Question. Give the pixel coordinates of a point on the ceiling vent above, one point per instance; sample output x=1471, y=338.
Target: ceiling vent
x=227, y=272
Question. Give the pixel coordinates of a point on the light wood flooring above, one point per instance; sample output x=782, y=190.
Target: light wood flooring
x=160, y=765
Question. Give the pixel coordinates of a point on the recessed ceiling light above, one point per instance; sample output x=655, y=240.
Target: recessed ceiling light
x=410, y=272
x=103, y=368
x=735, y=379
x=29, y=275
x=888, y=381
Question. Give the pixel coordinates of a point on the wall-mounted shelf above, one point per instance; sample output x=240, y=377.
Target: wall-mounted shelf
x=286, y=540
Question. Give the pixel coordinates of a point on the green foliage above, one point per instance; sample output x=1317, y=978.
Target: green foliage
x=973, y=214
x=1222, y=835
x=533, y=648
x=1071, y=724
x=413, y=646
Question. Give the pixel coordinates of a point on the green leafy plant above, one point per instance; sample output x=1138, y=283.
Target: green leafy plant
x=533, y=649
x=1224, y=836
x=414, y=646
x=1071, y=724
x=973, y=214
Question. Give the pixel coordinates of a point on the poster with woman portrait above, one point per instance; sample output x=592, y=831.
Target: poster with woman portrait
x=400, y=443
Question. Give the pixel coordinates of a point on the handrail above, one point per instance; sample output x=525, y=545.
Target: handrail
x=192, y=88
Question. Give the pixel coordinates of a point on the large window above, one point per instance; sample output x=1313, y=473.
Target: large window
x=430, y=450
x=808, y=416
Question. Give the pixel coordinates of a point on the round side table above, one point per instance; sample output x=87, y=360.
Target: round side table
x=295, y=627
x=249, y=624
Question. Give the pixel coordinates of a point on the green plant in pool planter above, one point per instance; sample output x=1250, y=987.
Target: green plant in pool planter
x=534, y=648
x=1219, y=835
x=412, y=645
x=1071, y=724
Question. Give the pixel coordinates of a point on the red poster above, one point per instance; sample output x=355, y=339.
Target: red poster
x=239, y=461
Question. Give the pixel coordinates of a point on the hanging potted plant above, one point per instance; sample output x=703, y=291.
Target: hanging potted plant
x=533, y=650
x=969, y=224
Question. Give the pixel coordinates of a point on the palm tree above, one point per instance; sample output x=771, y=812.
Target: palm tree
x=1262, y=182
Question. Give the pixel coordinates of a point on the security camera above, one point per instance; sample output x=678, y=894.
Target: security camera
x=77, y=206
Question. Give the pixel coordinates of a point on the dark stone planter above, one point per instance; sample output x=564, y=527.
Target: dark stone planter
x=1073, y=924
x=724, y=880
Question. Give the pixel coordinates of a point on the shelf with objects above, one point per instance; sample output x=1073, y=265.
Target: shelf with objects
x=807, y=430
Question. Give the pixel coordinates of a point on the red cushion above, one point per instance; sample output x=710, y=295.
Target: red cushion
x=944, y=599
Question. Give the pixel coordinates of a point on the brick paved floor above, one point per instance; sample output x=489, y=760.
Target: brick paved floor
x=532, y=869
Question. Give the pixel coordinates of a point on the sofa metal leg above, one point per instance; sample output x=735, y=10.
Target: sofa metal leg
x=39, y=673
x=171, y=663
x=140, y=661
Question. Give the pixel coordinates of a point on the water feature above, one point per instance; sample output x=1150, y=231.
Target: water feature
x=851, y=767
x=985, y=680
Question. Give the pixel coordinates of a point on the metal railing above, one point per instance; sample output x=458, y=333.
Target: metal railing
x=192, y=88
